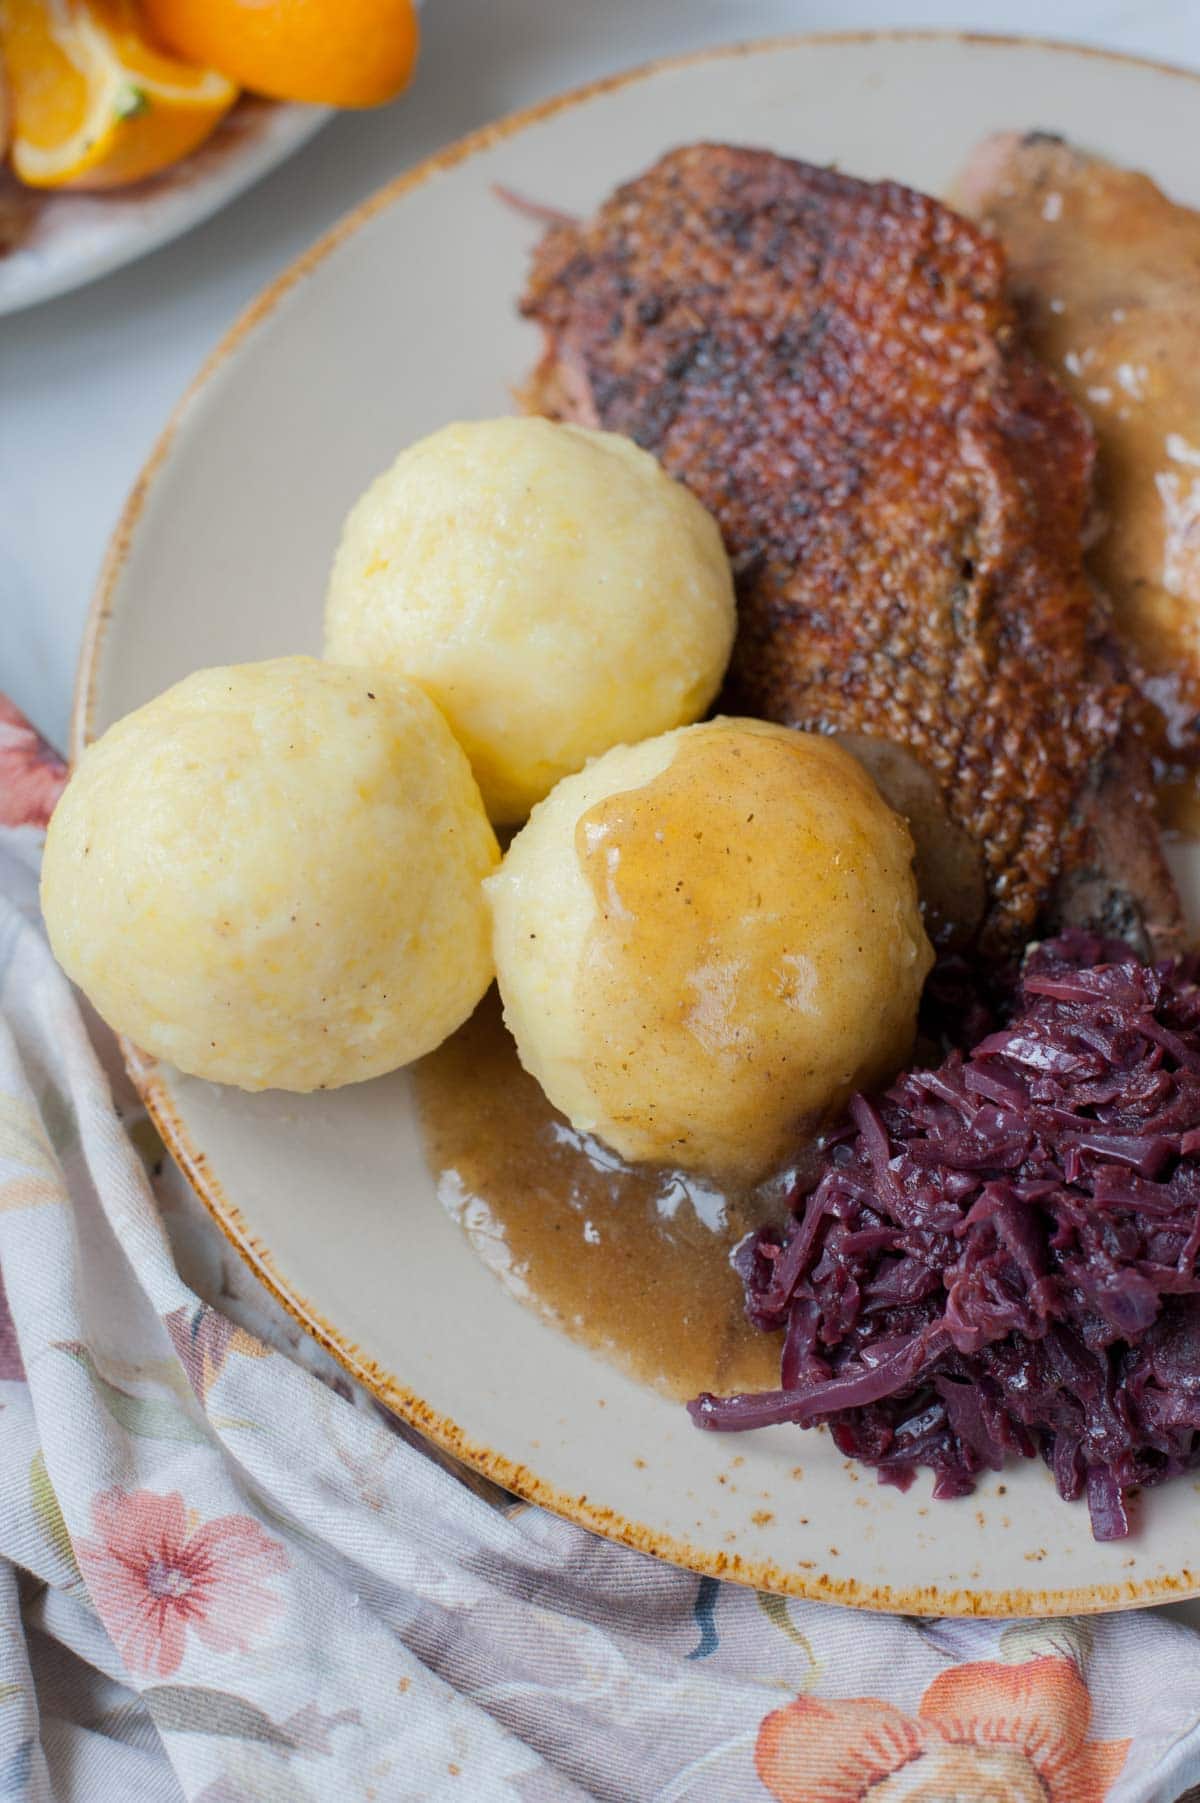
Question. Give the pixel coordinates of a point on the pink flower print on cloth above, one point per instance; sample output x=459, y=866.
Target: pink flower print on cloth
x=32, y=774
x=152, y=1577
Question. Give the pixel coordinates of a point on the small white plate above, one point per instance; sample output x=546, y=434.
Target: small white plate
x=403, y=318
x=61, y=240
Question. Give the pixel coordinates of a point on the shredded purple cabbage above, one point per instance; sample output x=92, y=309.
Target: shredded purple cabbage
x=1000, y=1256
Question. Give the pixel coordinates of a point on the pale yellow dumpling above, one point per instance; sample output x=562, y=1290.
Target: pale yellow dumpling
x=551, y=587
x=271, y=876
x=706, y=942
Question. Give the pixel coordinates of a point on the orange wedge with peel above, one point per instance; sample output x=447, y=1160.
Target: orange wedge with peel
x=336, y=52
x=94, y=103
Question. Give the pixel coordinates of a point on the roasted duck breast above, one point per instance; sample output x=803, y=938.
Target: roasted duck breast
x=835, y=368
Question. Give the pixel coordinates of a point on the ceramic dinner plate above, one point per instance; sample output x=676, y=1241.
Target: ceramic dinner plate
x=400, y=320
x=59, y=241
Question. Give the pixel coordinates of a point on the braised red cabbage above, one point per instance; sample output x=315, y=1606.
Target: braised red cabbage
x=1000, y=1256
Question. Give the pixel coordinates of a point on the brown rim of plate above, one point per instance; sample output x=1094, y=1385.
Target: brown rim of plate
x=806, y=1579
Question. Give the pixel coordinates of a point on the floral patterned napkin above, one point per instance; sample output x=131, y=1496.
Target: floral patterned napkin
x=226, y=1576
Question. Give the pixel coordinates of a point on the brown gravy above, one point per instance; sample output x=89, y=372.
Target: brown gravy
x=632, y=1260
x=1179, y=807
x=1105, y=268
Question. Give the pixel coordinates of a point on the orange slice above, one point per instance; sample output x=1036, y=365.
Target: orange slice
x=339, y=52
x=94, y=105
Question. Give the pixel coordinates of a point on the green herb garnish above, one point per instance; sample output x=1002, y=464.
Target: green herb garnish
x=131, y=101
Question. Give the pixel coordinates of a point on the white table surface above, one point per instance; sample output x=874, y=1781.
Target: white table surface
x=86, y=381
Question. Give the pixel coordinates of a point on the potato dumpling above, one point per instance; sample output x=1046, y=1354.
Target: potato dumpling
x=272, y=876
x=705, y=943
x=551, y=587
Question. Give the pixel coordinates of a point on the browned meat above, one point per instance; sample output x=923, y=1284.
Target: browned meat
x=834, y=368
x=1105, y=271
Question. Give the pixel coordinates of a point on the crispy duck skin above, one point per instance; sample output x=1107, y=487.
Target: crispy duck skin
x=834, y=368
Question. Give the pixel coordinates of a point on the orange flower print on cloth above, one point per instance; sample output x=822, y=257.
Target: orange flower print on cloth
x=32, y=774
x=152, y=1576
x=984, y=1733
